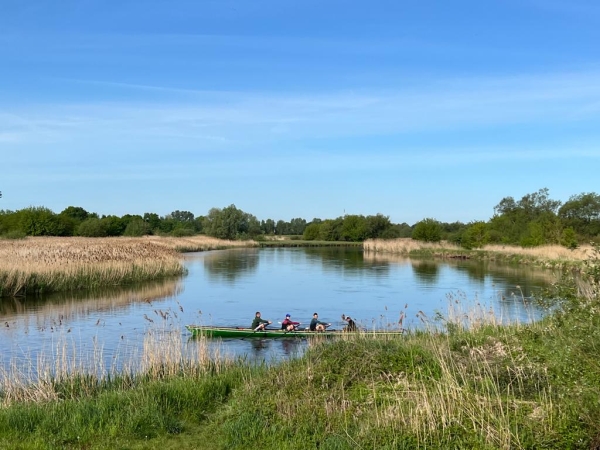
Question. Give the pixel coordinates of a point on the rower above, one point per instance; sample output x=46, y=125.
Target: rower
x=288, y=324
x=259, y=323
x=351, y=324
x=316, y=324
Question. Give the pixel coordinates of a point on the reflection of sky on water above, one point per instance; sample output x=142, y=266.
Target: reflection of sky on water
x=227, y=287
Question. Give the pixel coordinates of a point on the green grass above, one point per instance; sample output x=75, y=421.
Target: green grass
x=534, y=386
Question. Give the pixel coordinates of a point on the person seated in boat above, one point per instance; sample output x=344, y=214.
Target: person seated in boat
x=316, y=324
x=288, y=324
x=259, y=323
x=351, y=324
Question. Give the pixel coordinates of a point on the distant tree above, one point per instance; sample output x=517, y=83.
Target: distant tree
x=281, y=227
x=476, y=235
x=182, y=216
x=582, y=213
x=115, y=226
x=93, y=227
x=153, y=220
x=377, y=225
x=354, y=228
x=569, y=239
x=75, y=212
x=428, y=230
x=512, y=221
x=40, y=221
x=198, y=224
x=230, y=223
x=312, y=232
x=136, y=227
x=331, y=229
x=268, y=226
x=297, y=226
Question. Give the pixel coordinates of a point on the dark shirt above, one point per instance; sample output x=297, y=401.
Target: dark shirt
x=257, y=321
x=351, y=326
x=313, y=324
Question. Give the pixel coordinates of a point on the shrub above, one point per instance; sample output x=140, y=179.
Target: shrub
x=428, y=230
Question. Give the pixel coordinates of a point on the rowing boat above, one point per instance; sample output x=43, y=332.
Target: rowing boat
x=239, y=332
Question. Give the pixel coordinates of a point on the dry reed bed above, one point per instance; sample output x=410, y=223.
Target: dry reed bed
x=47, y=264
x=406, y=246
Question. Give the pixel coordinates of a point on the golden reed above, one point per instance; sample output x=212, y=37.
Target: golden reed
x=405, y=246
x=49, y=264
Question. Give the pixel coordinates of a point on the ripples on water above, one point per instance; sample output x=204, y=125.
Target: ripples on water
x=108, y=328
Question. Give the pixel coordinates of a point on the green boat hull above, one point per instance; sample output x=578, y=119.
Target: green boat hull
x=242, y=333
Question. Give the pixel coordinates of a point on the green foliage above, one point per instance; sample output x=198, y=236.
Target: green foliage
x=331, y=230
x=93, y=227
x=428, y=230
x=40, y=221
x=354, y=228
x=312, y=232
x=582, y=213
x=137, y=227
x=476, y=235
x=230, y=223
x=569, y=238
x=402, y=230
x=13, y=235
x=76, y=213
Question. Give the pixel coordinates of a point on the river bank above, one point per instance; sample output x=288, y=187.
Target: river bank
x=548, y=256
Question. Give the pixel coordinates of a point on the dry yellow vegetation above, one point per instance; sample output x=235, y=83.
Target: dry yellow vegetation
x=405, y=246
x=45, y=264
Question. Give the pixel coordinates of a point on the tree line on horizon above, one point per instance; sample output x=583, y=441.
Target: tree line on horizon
x=533, y=220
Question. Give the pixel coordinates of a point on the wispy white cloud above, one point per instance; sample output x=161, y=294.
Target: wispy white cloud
x=233, y=119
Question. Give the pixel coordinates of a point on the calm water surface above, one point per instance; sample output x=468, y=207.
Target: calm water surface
x=227, y=287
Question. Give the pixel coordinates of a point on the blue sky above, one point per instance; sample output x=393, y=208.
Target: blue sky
x=298, y=108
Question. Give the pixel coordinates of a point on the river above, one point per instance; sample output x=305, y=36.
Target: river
x=227, y=287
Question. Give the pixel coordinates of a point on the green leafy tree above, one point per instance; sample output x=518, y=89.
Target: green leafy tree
x=93, y=227
x=115, y=226
x=476, y=235
x=354, y=228
x=268, y=226
x=40, y=221
x=512, y=220
x=312, y=232
x=428, y=230
x=76, y=213
x=569, y=239
x=153, y=220
x=582, y=213
x=136, y=227
x=377, y=225
x=331, y=229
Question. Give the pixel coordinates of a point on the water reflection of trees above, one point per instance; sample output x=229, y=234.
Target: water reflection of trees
x=426, y=271
x=80, y=303
x=231, y=264
x=512, y=281
x=352, y=261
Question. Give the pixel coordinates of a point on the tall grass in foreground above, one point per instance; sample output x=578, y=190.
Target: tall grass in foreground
x=477, y=384
x=51, y=264
x=68, y=373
